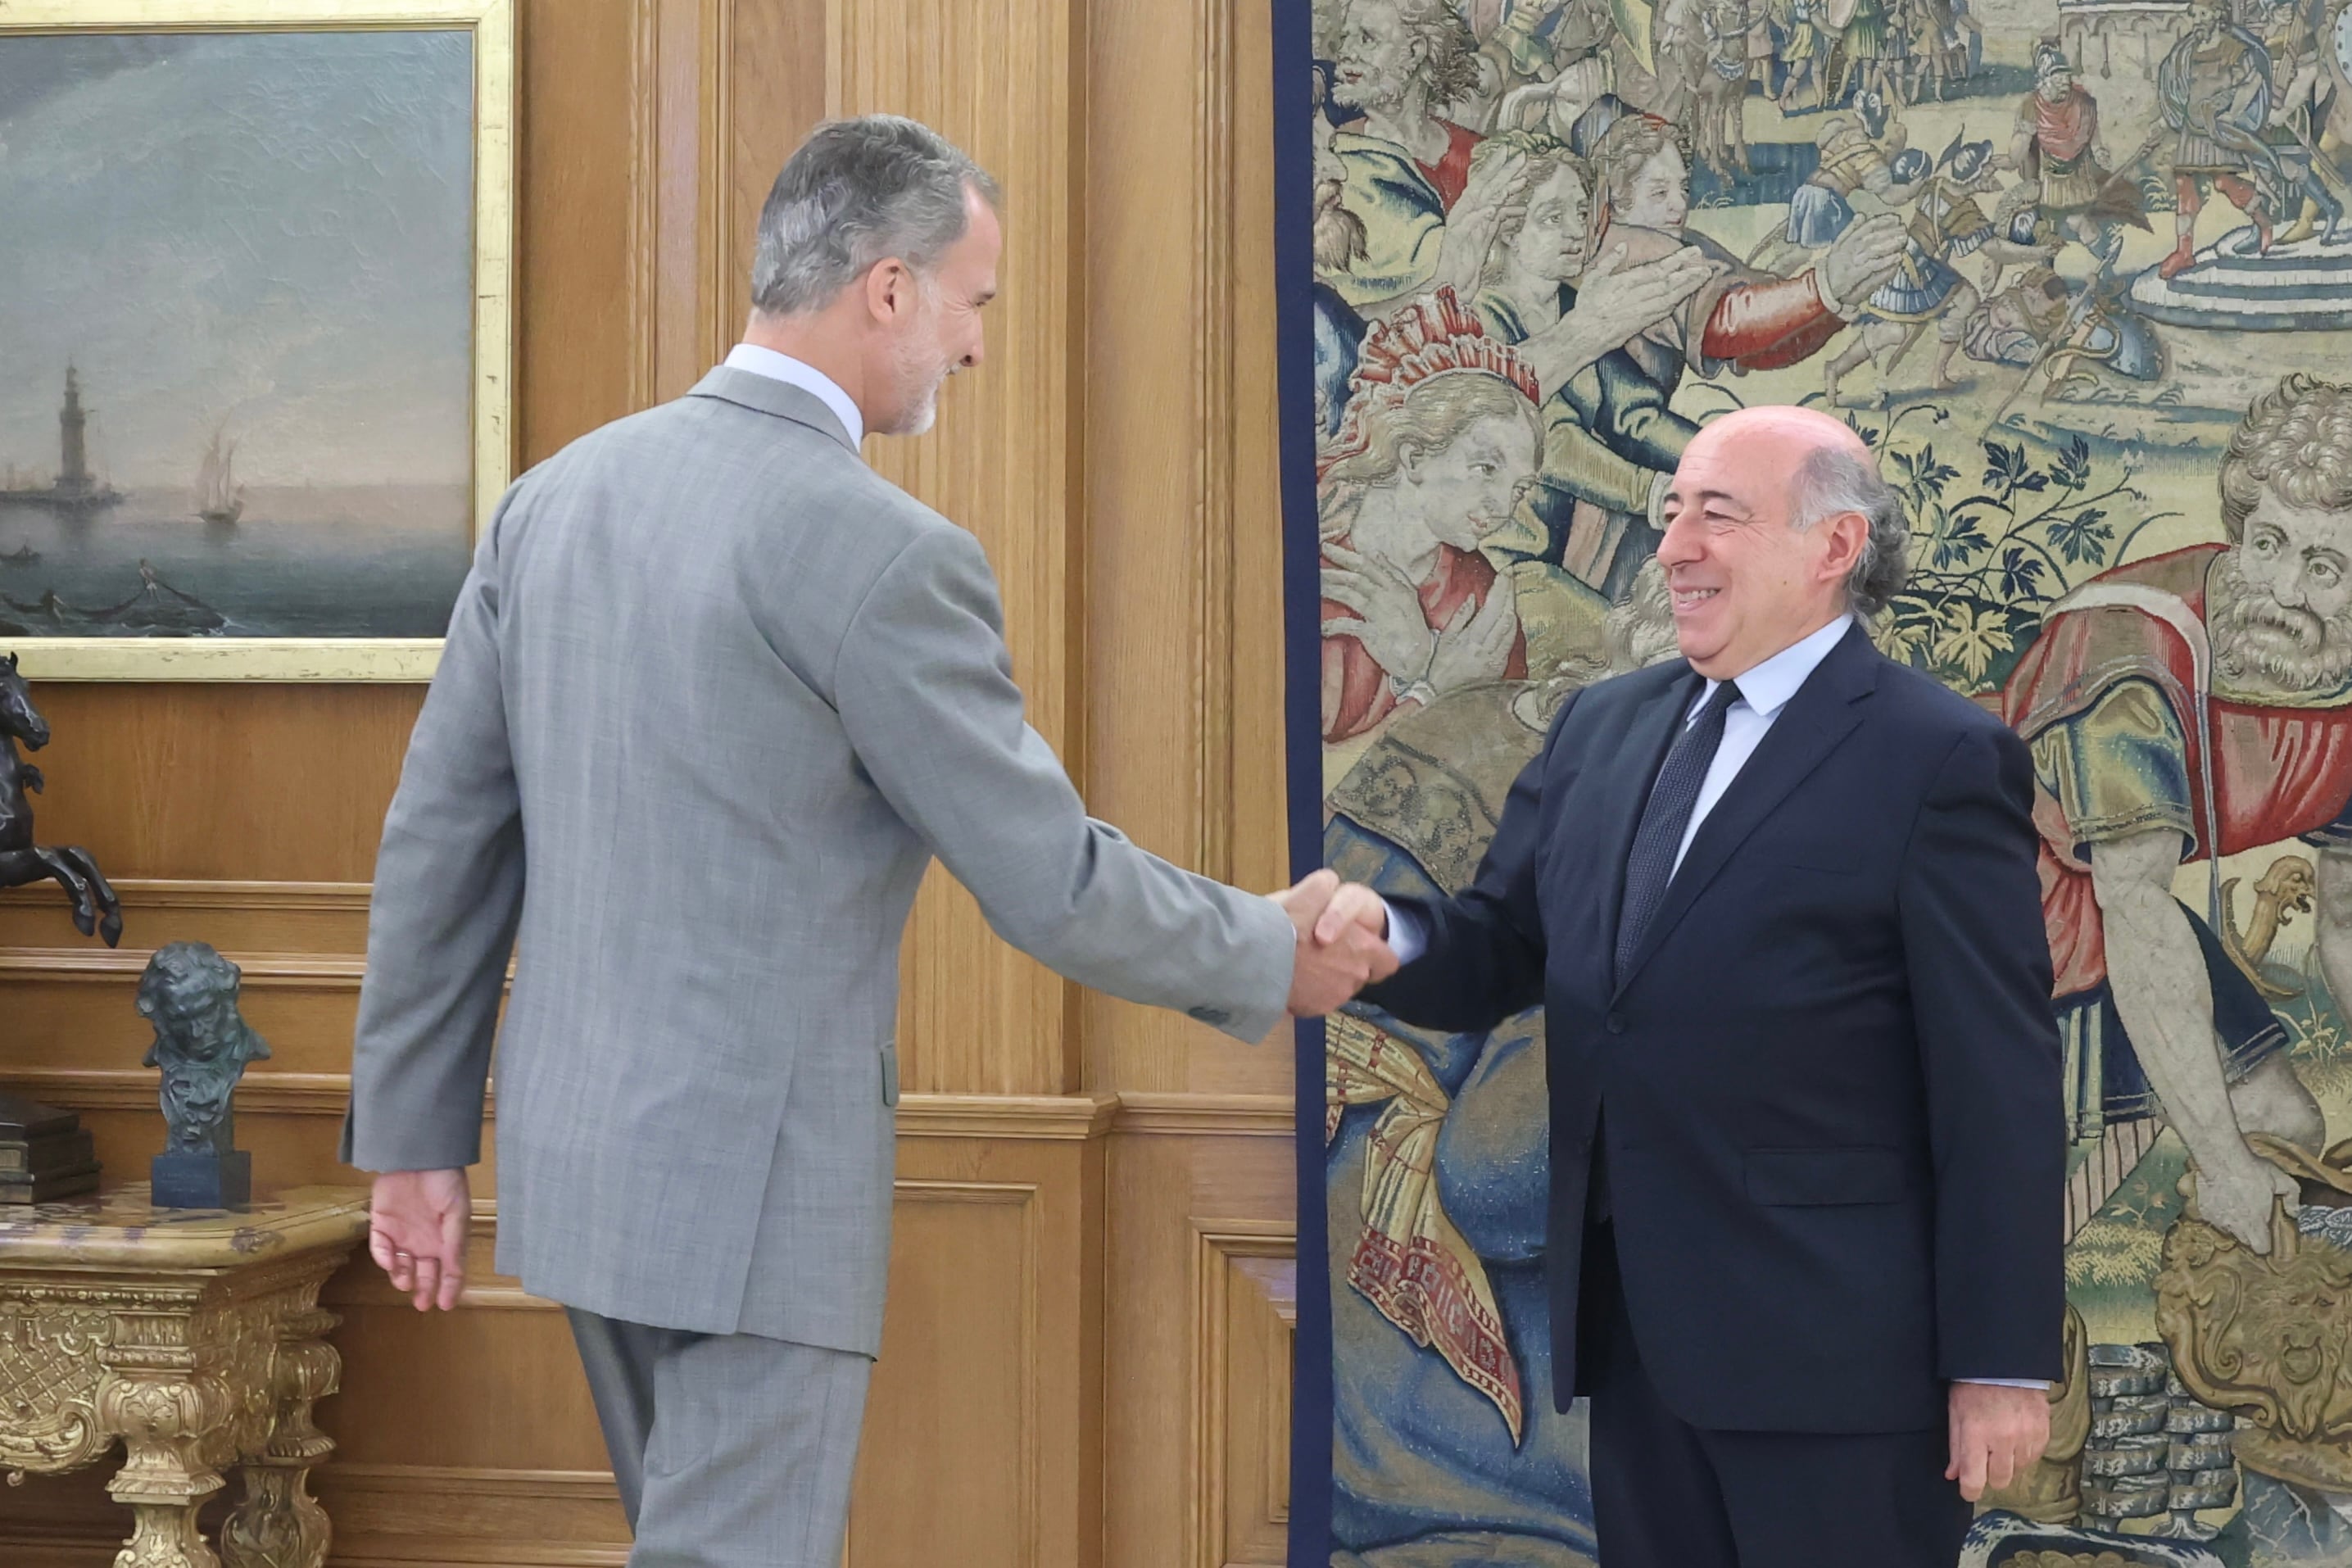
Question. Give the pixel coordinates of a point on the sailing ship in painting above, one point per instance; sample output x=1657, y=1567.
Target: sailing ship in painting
x=220, y=499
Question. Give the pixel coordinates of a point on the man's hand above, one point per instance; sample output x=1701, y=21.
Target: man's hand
x=1998, y=1433
x=1329, y=973
x=1616, y=301
x=418, y=1221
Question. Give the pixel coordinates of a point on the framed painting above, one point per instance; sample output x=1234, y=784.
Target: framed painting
x=256, y=320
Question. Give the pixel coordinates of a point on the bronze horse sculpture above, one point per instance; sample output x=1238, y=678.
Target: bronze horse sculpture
x=22, y=861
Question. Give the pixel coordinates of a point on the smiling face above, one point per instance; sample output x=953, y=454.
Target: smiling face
x=1746, y=583
x=1555, y=240
x=1468, y=489
x=1373, y=58
x=2283, y=609
x=931, y=325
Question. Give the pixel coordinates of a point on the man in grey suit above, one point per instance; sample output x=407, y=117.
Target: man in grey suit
x=713, y=696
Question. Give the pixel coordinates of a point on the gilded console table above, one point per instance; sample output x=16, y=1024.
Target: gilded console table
x=196, y=1339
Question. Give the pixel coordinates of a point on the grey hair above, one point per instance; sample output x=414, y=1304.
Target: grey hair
x=856, y=192
x=1833, y=480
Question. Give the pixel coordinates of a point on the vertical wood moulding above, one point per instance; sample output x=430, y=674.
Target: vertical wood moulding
x=677, y=207
x=1212, y=374
x=645, y=202
x=721, y=268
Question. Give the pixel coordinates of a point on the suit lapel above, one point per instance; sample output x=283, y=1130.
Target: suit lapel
x=1648, y=735
x=1823, y=713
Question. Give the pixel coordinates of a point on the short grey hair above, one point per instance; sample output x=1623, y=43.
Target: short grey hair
x=1833, y=480
x=858, y=191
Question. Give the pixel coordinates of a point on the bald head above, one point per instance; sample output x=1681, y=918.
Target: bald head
x=1778, y=523
x=1783, y=437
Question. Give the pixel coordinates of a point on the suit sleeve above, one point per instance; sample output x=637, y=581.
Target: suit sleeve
x=924, y=686
x=441, y=921
x=1482, y=957
x=1980, y=980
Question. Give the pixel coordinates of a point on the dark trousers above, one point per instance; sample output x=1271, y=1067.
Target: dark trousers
x=1669, y=1495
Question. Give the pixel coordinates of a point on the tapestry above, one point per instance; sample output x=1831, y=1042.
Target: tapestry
x=2080, y=273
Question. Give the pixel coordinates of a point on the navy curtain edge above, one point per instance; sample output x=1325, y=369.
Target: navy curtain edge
x=1310, y=1414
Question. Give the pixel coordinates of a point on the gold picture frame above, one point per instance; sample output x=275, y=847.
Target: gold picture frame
x=492, y=25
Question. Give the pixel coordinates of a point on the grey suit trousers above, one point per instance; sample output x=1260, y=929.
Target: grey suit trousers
x=730, y=1450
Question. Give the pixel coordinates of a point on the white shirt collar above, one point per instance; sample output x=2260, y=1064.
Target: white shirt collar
x=1766, y=690
x=806, y=376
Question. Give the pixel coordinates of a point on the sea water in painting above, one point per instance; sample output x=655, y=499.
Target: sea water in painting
x=235, y=332
x=2081, y=274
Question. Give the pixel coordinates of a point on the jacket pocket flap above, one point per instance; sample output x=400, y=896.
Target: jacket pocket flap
x=1824, y=1176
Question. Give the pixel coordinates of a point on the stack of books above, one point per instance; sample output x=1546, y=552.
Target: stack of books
x=45, y=1154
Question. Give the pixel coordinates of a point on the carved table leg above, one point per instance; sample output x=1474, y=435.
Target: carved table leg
x=277, y=1523
x=164, y=1417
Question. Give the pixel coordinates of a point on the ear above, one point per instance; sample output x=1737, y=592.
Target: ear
x=1842, y=537
x=889, y=290
x=1409, y=455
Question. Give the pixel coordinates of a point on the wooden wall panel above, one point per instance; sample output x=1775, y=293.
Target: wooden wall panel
x=1243, y=1329
x=1201, y=1199
x=1088, y=1331
x=1000, y=77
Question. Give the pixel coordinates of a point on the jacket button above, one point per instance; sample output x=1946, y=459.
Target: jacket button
x=1616, y=1024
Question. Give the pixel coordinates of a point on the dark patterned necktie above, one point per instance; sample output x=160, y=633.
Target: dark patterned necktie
x=1651, y=865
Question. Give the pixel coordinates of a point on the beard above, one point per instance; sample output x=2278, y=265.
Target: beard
x=2287, y=645
x=1372, y=94
x=919, y=377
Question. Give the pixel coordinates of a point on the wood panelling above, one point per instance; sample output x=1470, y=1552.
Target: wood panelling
x=1188, y=1362
x=1201, y=1195
x=999, y=77
x=1243, y=1328
x=1085, y=1357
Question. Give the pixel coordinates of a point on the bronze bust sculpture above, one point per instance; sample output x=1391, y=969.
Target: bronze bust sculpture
x=202, y=1044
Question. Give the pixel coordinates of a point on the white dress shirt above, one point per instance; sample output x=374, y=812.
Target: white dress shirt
x=806, y=376
x=1763, y=692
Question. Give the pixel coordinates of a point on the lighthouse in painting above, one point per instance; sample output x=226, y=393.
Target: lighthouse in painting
x=74, y=491
x=73, y=427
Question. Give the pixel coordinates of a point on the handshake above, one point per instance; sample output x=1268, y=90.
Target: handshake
x=1342, y=941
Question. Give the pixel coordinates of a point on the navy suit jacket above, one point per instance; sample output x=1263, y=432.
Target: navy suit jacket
x=1830, y=1074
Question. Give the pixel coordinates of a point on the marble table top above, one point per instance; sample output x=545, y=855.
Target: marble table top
x=121, y=1229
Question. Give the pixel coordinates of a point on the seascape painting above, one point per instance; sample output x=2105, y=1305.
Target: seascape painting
x=2081, y=275
x=239, y=334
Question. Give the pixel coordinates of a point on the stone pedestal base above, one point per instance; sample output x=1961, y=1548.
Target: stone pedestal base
x=203, y=1180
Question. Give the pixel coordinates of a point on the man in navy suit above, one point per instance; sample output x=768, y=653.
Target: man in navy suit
x=1778, y=899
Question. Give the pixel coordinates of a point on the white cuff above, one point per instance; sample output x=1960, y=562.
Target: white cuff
x=2041, y=1383
x=1406, y=938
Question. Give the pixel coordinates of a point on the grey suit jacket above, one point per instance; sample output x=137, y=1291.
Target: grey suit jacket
x=714, y=694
